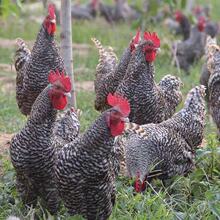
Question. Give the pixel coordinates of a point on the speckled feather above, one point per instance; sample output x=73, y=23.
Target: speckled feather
x=84, y=172
x=169, y=146
x=32, y=74
x=33, y=158
x=109, y=74
x=150, y=102
x=65, y=129
x=211, y=46
x=213, y=64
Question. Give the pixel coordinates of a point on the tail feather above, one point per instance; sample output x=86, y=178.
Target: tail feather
x=107, y=58
x=212, y=54
x=22, y=54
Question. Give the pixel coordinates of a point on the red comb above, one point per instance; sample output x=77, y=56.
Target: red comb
x=64, y=80
x=120, y=102
x=197, y=9
x=152, y=37
x=51, y=10
x=201, y=23
x=178, y=15
x=202, y=19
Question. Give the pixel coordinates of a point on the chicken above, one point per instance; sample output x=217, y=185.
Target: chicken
x=184, y=24
x=123, y=11
x=166, y=149
x=213, y=65
x=192, y=49
x=84, y=169
x=204, y=78
x=120, y=11
x=66, y=128
x=201, y=11
x=149, y=102
x=107, y=11
x=85, y=12
x=212, y=28
x=109, y=73
x=33, y=67
x=31, y=151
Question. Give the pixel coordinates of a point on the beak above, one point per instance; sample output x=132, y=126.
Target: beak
x=158, y=50
x=53, y=21
x=68, y=94
x=126, y=120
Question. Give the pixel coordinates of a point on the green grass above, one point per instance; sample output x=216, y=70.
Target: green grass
x=196, y=196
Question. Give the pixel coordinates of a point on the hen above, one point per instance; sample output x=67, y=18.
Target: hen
x=149, y=102
x=168, y=148
x=192, y=49
x=108, y=73
x=33, y=67
x=213, y=65
x=31, y=151
x=85, y=169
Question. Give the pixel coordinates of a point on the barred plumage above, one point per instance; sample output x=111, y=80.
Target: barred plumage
x=211, y=46
x=66, y=128
x=168, y=147
x=150, y=102
x=85, y=169
x=213, y=65
x=32, y=74
x=31, y=150
x=32, y=156
x=109, y=73
x=22, y=54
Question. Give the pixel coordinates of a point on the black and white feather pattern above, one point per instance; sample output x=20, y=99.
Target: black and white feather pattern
x=33, y=156
x=33, y=68
x=168, y=147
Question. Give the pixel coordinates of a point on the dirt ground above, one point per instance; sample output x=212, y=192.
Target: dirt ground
x=8, y=81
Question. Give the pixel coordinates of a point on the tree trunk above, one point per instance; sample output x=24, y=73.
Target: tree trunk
x=189, y=5
x=66, y=45
x=45, y=3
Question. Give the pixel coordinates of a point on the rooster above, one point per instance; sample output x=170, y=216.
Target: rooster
x=33, y=67
x=108, y=73
x=31, y=150
x=192, y=49
x=184, y=24
x=166, y=149
x=85, y=167
x=150, y=102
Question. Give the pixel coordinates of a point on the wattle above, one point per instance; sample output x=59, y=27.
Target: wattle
x=60, y=102
x=150, y=57
x=117, y=129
